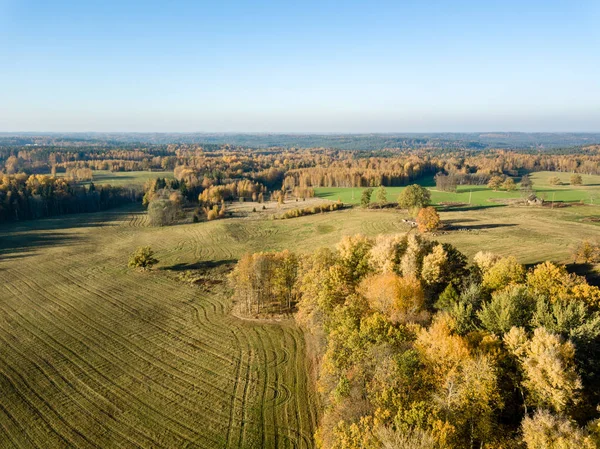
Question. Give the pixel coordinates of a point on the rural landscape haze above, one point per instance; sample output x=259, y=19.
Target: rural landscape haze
x=314, y=225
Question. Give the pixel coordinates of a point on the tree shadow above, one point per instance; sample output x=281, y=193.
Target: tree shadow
x=459, y=220
x=202, y=265
x=473, y=189
x=587, y=270
x=21, y=244
x=468, y=207
x=479, y=227
x=108, y=217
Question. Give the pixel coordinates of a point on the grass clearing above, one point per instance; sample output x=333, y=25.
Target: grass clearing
x=95, y=355
x=589, y=193
x=126, y=178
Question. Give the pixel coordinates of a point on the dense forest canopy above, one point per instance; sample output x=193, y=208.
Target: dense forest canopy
x=418, y=348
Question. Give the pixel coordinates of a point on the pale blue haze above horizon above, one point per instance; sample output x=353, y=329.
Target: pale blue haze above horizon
x=310, y=66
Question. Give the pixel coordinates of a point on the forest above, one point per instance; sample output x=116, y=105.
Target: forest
x=417, y=347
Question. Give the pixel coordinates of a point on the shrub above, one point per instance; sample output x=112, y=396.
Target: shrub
x=143, y=257
x=294, y=213
x=554, y=181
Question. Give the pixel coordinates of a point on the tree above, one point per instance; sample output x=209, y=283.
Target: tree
x=554, y=181
x=509, y=185
x=576, y=179
x=547, y=362
x=400, y=299
x=526, y=183
x=470, y=397
x=413, y=198
x=143, y=257
x=284, y=278
x=504, y=272
x=428, y=219
x=587, y=252
x=445, y=183
x=485, y=260
x=508, y=308
x=163, y=212
x=355, y=252
x=495, y=182
x=547, y=431
x=411, y=438
x=433, y=265
x=365, y=198
x=381, y=195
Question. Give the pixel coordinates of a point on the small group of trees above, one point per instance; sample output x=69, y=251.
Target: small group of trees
x=500, y=182
x=241, y=189
x=265, y=282
x=380, y=196
x=214, y=212
x=165, y=207
x=415, y=199
x=575, y=180
x=318, y=209
x=79, y=174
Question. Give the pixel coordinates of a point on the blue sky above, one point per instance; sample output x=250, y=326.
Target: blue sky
x=322, y=66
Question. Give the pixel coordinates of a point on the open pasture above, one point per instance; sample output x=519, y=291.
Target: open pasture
x=476, y=195
x=96, y=355
x=126, y=178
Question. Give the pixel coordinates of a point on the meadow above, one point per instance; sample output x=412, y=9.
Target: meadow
x=127, y=178
x=94, y=354
x=588, y=193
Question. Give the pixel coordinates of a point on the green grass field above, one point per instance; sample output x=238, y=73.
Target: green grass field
x=96, y=355
x=481, y=195
x=127, y=178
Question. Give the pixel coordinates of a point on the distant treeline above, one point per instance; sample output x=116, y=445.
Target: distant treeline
x=24, y=197
x=316, y=167
x=209, y=174
x=475, y=141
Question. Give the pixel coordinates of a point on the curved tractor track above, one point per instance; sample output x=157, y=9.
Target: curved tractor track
x=94, y=355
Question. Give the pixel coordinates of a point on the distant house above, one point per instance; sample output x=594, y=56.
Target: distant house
x=533, y=200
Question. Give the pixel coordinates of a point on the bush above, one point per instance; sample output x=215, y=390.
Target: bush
x=554, y=181
x=143, y=257
x=212, y=215
x=295, y=213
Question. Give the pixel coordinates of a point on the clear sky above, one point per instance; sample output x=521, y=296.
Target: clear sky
x=300, y=66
